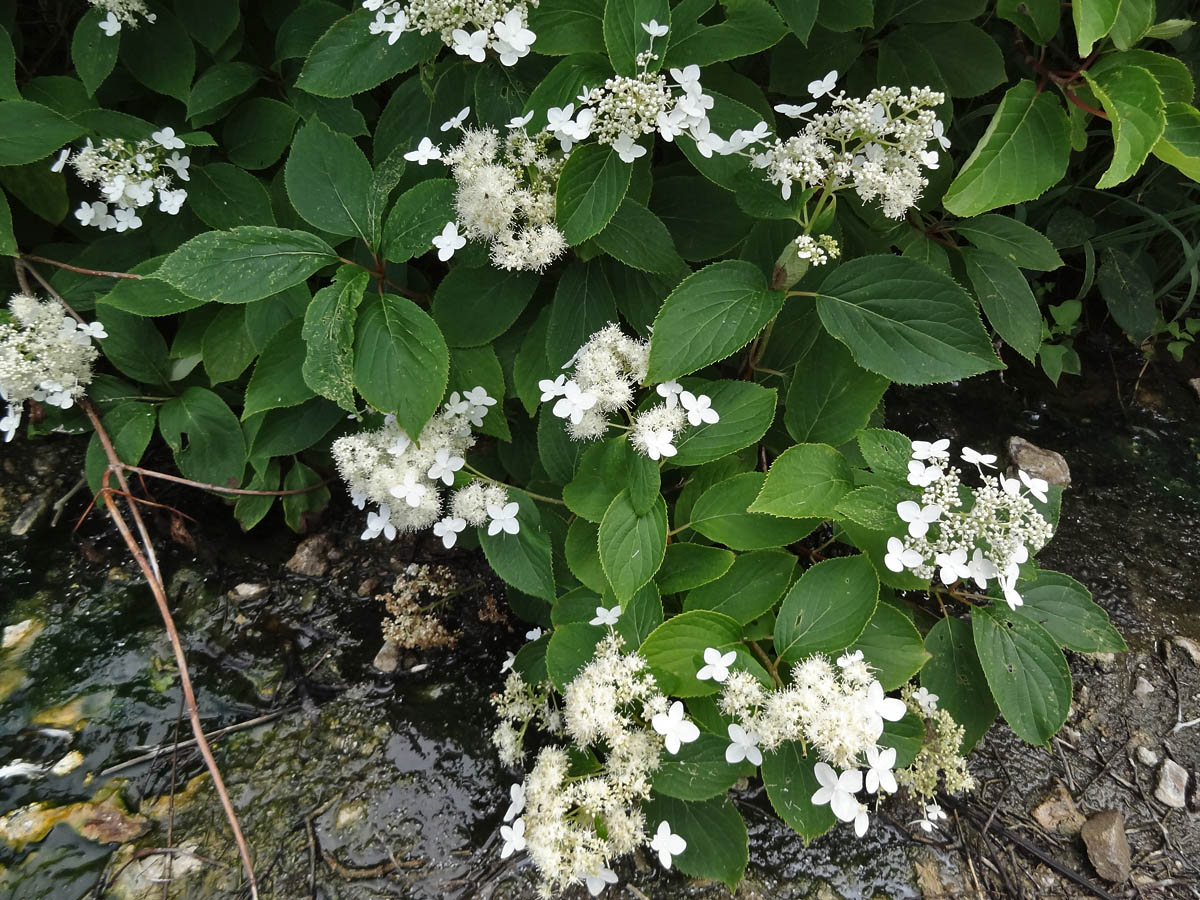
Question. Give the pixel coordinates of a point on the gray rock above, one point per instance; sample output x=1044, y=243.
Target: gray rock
x=29, y=515
x=1147, y=757
x=1039, y=463
x=1188, y=646
x=1172, y=785
x=388, y=657
x=312, y=556
x=1107, y=846
x=246, y=592
x=1143, y=687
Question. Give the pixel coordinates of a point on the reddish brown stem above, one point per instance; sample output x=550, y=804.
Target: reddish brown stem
x=1099, y=113
x=216, y=487
x=62, y=265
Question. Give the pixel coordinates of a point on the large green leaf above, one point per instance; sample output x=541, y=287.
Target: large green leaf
x=130, y=425
x=599, y=477
x=1065, y=608
x=584, y=302
x=225, y=196
x=624, y=37
x=746, y=410
x=747, y=26
x=590, y=189
x=720, y=514
x=93, y=53
x=328, y=182
x=699, y=771
x=639, y=239
x=277, y=380
x=954, y=674
x=205, y=437
x=401, y=362
x=751, y=586
x=688, y=566
x=1013, y=240
x=831, y=396
x=568, y=26
x=348, y=59
x=1129, y=292
x=717, y=844
x=632, y=545
x=1022, y=153
x=30, y=131
x=522, y=559
x=703, y=218
x=328, y=334
x=805, y=481
x=790, y=781
x=905, y=321
x=135, y=346
x=675, y=651
x=571, y=647
x=1135, y=106
x=892, y=644
x=474, y=306
x=1006, y=299
x=162, y=57
x=244, y=264
x=1180, y=144
x=827, y=609
x=221, y=83
x=418, y=216
x=1093, y=19
x=8, y=241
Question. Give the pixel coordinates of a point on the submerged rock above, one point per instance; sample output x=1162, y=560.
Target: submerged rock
x=1107, y=846
x=102, y=819
x=1038, y=462
x=312, y=556
x=18, y=637
x=1058, y=812
x=388, y=657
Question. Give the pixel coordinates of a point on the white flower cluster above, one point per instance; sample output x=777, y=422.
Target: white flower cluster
x=877, y=145
x=988, y=537
x=606, y=370
x=129, y=176
x=405, y=477
x=819, y=250
x=468, y=27
x=505, y=195
x=122, y=12
x=45, y=355
x=838, y=712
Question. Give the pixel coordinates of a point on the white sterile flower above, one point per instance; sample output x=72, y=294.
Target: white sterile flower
x=926, y=700
x=918, y=517
x=897, y=558
x=110, y=25
x=794, y=112
x=358, y=499
x=1011, y=486
x=10, y=423
x=922, y=475
x=533, y=633
x=127, y=220
x=939, y=134
x=707, y=141
x=822, y=86
x=91, y=212
x=513, y=32
x=838, y=790
x=607, y=617
x=953, y=565
x=448, y=241
x=504, y=518
x=559, y=117
x=448, y=530
x=879, y=770
x=975, y=458
x=380, y=523
x=861, y=820
x=478, y=396
x=552, y=389
x=426, y=150
x=171, y=202
x=596, y=881
x=716, y=664
x=516, y=801
x=936, y=450
x=514, y=838
x=675, y=728
x=93, y=330
x=670, y=391
x=472, y=44
x=61, y=161
x=1008, y=585
x=743, y=746
x=179, y=165
x=444, y=466
x=456, y=121
x=411, y=491
x=520, y=121
x=658, y=442
x=687, y=78
x=456, y=406
x=1037, y=486
x=167, y=139
x=929, y=158
x=627, y=149
x=981, y=568
x=573, y=403
x=655, y=30
x=509, y=659
x=402, y=443
x=933, y=815
x=879, y=707
x=699, y=408
x=667, y=844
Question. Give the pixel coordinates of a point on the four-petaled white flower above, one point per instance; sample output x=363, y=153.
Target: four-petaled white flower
x=110, y=25
x=520, y=121
x=533, y=633
x=687, y=78
x=504, y=518
x=918, y=517
x=861, y=820
x=91, y=212
x=822, y=86
x=675, y=729
x=716, y=664
x=921, y=475
x=380, y=523
x=607, y=617
x=1008, y=585
x=596, y=881
x=167, y=139
x=448, y=241
x=411, y=492
x=658, y=442
x=402, y=443
x=879, y=770
x=516, y=801
x=448, y=530
x=10, y=423
x=514, y=838
x=981, y=568
x=655, y=30
x=933, y=815
x=179, y=164
x=929, y=158
x=975, y=458
x=1037, y=486
x=92, y=330
x=953, y=565
x=552, y=388
x=127, y=220
x=426, y=151
x=707, y=141
x=939, y=134
x=927, y=450
x=358, y=499
x=171, y=202
x=472, y=44
x=926, y=700
x=880, y=707
x=793, y=111
x=573, y=403
x=627, y=149
x=61, y=161
x=456, y=121
x=667, y=844
x=670, y=391
x=743, y=746
x=838, y=790
x=897, y=558
x=513, y=32
x=444, y=466
x=509, y=659
x=699, y=408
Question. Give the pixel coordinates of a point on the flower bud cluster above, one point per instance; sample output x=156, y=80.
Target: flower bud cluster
x=404, y=478
x=45, y=355
x=130, y=175
x=939, y=759
x=818, y=250
x=987, y=535
x=468, y=27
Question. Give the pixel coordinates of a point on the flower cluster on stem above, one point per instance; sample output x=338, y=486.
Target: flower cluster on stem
x=122, y=12
x=470, y=28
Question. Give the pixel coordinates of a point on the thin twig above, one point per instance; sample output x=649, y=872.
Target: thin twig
x=62, y=265
x=150, y=473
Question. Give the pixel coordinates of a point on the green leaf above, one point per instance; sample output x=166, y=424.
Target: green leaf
x=886, y=452
x=710, y=315
x=223, y=196
x=205, y=437
x=688, y=566
x=1013, y=240
x=892, y=644
x=717, y=844
x=258, y=131
x=130, y=425
x=221, y=83
x=329, y=180
x=751, y=587
x=746, y=410
x=1023, y=152
x=1127, y=289
x=643, y=479
x=522, y=559
x=827, y=609
x=418, y=216
x=147, y=296
x=162, y=56
x=968, y=58
x=847, y=15
x=1093, y=19
x=1065, y=608
x=871, y=507
x=348, y=59
x=1173, y=77
x=251, y=509
x=30, y=131
x=675, y=651
x=93, y=53
x=571, y=647
x=1026, y=672
x=721, y=515
x=699, y=771
x=1006, y=299
x=328, y=333
x=1037, y=18
x=703, y=218
x=135, y=346
x=805, y=481
x=830, y=397
x=226, y=347
x=8, y=242
x=632, y=546
x=476, y=306
x=559, y=454
x=599, y=478
x=245, y=263
x=583, y=555
x=790, y=781
x=1134, y=18
x=800, y=15
x=638, y=238
x=277, y=380
x=584, y=302
x=1180, y=144
x=1135, y=106
x=401, y=362
x=568, y=26
x=291, y=429
x=640, y=615
x=954, y=674
x=905, y=321
x=590, y=189
x=624, y=37
x=298, y=509
x=748, y=26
